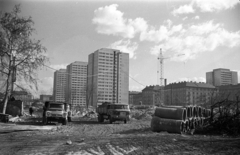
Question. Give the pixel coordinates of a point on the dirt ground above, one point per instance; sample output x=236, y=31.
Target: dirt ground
x=85, y=136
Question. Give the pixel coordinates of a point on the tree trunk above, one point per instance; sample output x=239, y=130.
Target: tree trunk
x=7, y=92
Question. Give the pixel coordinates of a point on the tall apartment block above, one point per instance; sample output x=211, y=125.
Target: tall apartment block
x=221, y=76
x=108, y=77
x=59, y=85
x=76, y=83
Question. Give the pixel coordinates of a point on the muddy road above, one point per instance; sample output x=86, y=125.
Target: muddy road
x=88, y=137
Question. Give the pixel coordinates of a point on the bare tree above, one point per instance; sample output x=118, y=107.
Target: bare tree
x=21, y=56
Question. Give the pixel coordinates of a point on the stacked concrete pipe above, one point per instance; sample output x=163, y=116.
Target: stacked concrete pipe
x=178, y=119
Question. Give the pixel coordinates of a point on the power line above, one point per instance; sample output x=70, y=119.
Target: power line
x=136, y=81
x=99, y=73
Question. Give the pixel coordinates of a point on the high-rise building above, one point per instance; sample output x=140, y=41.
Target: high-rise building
x=108, y=77
x=59, y=85
x=76, y=82
x=220, y=76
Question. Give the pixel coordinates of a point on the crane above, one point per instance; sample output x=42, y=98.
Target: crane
x=161, y=59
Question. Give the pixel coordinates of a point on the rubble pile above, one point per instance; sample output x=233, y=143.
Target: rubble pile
x=179, y=119
x=91, y=114
x=141, y=114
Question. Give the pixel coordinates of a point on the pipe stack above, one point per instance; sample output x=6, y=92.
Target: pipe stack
x=178, y=119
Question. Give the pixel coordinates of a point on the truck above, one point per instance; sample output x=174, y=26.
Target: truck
x=56, y=112
x=113, y=112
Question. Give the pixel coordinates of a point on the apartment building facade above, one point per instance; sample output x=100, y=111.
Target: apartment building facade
x=135, y=97
x=76, y=81
x=230, y=92
x=188, y=93
x=108, y=77
x=59, y=85
x=221, y=76
x=151, y=95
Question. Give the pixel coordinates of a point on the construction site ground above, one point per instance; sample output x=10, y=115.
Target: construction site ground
x=88, y=137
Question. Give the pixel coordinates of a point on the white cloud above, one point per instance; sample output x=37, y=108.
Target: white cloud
x=155, y=35
x=110, y=21
x=190, y=39
x=193, y=79
x=196, y=39
x=185, y=9
x=205, y=6
x=185, y=18
x=196, y=17
x=163, y=33
x=126, y=46
x=214, y=5
x=60, y=66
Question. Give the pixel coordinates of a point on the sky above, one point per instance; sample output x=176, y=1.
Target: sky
x=196, y=36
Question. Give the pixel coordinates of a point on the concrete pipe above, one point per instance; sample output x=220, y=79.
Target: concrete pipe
x=169, y=125
x=200, y=111
x=187, y=127
x=189, y=113
x=194, y=111
x=171, y=113
x=183, y=127
x=203, y=112
x=197, y=114
x=191, y=124
x=195, y=121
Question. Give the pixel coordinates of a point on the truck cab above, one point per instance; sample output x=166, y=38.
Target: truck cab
x=113, y=112
x=56, y=112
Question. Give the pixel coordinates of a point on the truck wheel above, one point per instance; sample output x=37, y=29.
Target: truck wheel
x=65, y=121
x=45, y=121
x=110, y=120
x=100, y=118
x=125, y=121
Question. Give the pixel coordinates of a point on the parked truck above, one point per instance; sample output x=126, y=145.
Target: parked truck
x=56, y=112
x=113, y=112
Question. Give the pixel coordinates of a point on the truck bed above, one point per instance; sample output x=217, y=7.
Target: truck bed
x=102, y=109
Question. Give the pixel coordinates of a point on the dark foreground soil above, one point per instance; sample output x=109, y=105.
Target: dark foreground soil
x=85, y=136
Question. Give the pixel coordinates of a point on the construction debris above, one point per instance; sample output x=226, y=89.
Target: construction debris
x=225, y=118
